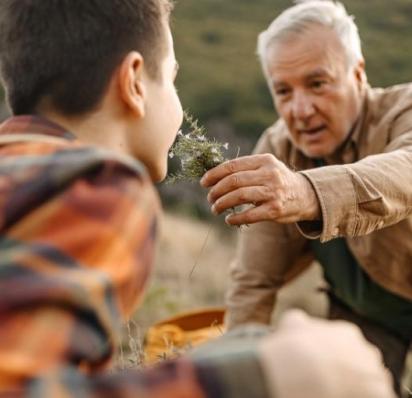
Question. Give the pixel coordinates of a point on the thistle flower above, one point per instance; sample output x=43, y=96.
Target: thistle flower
x=196, y=152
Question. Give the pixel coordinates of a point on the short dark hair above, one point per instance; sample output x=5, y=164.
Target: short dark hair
x=67, y=50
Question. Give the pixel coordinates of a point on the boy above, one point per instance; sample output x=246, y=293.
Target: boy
x=90, y=85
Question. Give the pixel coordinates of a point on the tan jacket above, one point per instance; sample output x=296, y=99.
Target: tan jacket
x=365, y=194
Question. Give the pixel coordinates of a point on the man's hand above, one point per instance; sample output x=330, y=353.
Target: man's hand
x=276, y=192
x=314, y=358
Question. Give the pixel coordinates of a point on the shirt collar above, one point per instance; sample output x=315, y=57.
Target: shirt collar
x=350, y=149
x=360, y=123
x=34, y=124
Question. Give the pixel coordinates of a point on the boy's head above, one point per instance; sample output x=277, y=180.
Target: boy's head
x=66, y=54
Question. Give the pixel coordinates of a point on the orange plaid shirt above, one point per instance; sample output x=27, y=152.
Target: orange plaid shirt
x=78, y=226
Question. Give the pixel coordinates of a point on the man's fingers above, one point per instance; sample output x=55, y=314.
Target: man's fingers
x=233, y=182
x=243, y=163
x=249, y=216
x=241, y=196
x=262, y=212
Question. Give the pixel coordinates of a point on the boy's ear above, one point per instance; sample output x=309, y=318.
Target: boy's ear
x=131, y=84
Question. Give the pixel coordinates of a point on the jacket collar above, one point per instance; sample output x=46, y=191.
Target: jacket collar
x=34, y=124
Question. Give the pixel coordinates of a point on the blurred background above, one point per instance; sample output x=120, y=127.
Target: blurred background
x=220, y=80
x=221, y=84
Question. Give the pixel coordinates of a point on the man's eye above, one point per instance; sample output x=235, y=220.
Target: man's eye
x=281, y=92
x=317, y=84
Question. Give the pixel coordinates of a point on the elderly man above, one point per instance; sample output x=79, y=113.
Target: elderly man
x=331, y=180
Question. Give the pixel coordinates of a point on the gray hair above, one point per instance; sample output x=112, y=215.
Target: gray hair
x=302, y=16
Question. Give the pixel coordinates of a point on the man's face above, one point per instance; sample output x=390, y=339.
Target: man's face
x=314, y=91
x=164, y=114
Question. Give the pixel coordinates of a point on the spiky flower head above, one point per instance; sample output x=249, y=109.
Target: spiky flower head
x=197, y=153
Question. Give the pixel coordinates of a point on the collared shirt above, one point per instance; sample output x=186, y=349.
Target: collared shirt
x=78, y=225
x=365, y=194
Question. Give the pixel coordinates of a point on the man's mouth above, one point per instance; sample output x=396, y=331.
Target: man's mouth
x=313, y=130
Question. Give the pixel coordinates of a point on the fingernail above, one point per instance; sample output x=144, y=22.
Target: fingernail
x=227, y=218
x=214, y=211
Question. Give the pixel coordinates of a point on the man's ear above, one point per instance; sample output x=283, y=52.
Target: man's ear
x=360, y=74
x=131, y=83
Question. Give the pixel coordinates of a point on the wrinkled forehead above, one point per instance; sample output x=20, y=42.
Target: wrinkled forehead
x=316, y=48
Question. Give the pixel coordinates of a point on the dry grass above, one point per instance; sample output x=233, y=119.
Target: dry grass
x=191, y=268
x=191, y=272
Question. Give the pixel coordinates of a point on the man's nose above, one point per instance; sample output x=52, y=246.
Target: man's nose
x=302, y=106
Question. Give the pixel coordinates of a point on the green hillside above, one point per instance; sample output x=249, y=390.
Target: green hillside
x=220, y=75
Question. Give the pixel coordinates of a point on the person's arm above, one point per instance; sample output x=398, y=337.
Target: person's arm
x=315, y=358
x=308, y=357
x=264, y=182
x=275, y=192
x=268, y=255
x=373, y=193
x=327, y=202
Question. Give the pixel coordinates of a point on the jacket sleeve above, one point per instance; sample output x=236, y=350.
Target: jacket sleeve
x=268, y=255
x=373, y=193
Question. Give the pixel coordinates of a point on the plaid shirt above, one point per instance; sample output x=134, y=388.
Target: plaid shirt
x=78, y=226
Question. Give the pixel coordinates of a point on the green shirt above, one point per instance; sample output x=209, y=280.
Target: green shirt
x=351, y=284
